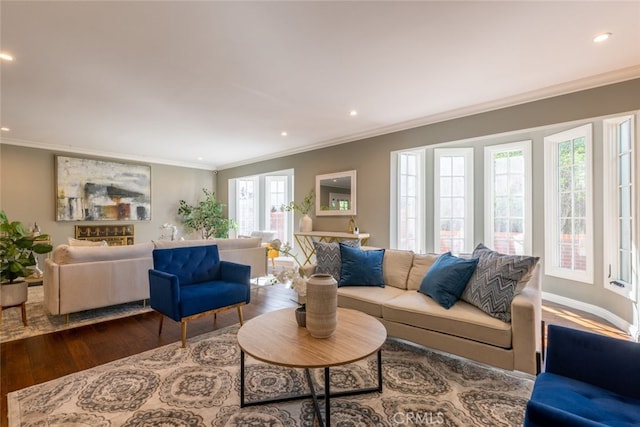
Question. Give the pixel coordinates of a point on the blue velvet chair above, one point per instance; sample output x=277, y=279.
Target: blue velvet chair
x=190, y=282
x=589, y=380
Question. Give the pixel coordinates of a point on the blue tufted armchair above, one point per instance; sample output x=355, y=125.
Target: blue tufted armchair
x=589, y=380
x=190, y=282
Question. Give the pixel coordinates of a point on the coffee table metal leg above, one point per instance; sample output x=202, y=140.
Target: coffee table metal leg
x=314, y=396
x=327, y=397
x=242, y=379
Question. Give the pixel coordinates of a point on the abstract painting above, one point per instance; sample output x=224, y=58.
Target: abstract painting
x=100, y=190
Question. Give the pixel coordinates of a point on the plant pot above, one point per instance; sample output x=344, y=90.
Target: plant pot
x=13, y=294
x=306, y=224
x=301, y=317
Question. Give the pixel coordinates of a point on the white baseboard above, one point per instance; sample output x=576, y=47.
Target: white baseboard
x=617, y=321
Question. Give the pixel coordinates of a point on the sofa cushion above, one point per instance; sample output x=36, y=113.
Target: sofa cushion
x=65, y=254
x=223, y=244
x=497, y=280
x=367, y=299
x=419, y=268
x=462, y=319
x=396, y=265
x=79, y=242
x=446, y=279
x=328, y=257
x=361, y=268
x=569, y=398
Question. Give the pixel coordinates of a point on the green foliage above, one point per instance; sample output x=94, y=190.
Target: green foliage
x=207, y=217
x=17, y=248
x=303, y=208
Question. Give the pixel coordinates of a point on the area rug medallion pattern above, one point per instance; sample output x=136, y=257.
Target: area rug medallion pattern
x=41, y=322
x=200, y=385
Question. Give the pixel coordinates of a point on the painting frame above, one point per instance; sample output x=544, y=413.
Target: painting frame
x=89, y=189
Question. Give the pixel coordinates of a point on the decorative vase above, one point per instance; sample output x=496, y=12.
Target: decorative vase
x=322, y=305
x=301, y=317
x=13, y=294
x=305, y=224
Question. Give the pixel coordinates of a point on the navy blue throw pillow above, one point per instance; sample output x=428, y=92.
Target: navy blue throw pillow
x=361, y=268
x=446, y=279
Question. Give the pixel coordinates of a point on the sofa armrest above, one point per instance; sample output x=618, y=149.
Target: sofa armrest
x=541, y=415
x=51, y=286
x=526, y=315
x=255, y=257
x=308, y=270
x=599, y=360
x=164, y=293
x=237, y=273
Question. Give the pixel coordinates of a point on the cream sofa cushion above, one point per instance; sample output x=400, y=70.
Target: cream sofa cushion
x=79, y=242
x=396, y=266
x=461, y=320
x=65, y=254
x=421, y=265
x=367, y=299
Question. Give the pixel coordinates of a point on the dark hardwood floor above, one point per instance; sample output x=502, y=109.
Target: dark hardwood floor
x=39, y=359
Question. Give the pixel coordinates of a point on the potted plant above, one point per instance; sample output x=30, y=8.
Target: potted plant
x=304, y=207
x=207, y=217
x=17, y=255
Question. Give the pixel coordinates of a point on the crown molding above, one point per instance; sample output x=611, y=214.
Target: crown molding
x=586, y=83
x=101, y=153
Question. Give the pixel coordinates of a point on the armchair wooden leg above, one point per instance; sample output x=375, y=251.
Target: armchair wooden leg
x=184, y=333
x=240, y=314
x=160, y=327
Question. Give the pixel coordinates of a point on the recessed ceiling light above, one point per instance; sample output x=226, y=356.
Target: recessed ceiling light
x=200, y=158
x=5, y=129
x=284, y=133
x=353, y=113
x=601, y=37
x=5, y=56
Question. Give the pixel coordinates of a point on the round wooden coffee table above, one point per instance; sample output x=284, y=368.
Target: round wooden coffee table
x=276, y=338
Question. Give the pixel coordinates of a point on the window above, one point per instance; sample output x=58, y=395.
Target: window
x=568, y=201
x=620, y=254
x=453, y=199
x=256, y=203
x=408, y=221
x=508, y=197
x=247, y=205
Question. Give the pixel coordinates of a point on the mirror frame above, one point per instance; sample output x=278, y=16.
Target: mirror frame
x=331, y=176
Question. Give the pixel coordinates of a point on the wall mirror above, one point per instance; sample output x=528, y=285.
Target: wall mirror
x=336, y=193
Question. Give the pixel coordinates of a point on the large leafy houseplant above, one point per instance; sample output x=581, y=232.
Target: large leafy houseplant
x=207, y=217
x=17, y=250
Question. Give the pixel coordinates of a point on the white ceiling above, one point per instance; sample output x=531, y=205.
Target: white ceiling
x=172, y=81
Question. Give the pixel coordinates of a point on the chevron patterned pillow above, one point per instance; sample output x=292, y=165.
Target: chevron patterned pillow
x=328, y=257
x=494, y=283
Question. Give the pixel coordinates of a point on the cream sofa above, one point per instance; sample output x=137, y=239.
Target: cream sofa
x=80, y=278
x=462, y=329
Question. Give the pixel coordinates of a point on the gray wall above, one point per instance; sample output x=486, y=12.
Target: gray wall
x=27, y=192
x=371, y=158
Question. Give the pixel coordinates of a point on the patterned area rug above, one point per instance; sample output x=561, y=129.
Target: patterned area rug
x=200, y=386
x=40, y=322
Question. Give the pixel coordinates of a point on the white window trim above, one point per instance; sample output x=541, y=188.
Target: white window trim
x=489, y=151
x=551, y=204
x=611, y=202
x=467, y=153
x=394, y=231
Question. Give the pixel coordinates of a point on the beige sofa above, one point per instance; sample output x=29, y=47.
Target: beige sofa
x=80, y=278
x=462, y=329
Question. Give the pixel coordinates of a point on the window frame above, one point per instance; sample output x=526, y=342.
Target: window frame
x=611, y=203
x=489, y=194
x=468, y=154
x=551, y=183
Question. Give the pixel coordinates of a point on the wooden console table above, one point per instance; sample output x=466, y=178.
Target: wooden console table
x=305, y=240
